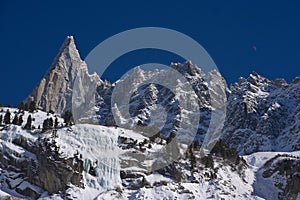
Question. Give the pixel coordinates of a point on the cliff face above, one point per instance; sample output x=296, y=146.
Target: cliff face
x=263, y=115
x=54, y=92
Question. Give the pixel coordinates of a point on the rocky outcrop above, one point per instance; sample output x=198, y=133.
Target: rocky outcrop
x=32, y=168
x=148, y=101
x=54, y=173
x=55, y=90
x=283, y=170
x=263, y=115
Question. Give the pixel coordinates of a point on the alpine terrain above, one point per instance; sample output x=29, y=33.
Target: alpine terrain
x=65, y=140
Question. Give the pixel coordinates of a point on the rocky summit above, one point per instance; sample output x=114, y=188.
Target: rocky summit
x=54, y=91
x=73, y=142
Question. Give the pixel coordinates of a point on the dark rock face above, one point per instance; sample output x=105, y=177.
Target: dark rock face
x=284, y=171
x=55, y=173
x=42, y=171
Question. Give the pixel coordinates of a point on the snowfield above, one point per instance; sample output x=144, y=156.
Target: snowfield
x=98, y=147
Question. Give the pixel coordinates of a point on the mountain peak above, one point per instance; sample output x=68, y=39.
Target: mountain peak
x=69, y=42
x=70, y=38
x=187, y=68
x=68, y=50
x=54, y=92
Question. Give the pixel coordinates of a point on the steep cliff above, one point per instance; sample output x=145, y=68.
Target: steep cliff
x=54, y=91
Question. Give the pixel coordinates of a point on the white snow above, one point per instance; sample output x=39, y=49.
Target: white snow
x=98, y=146
x=99, y=149
x=264, y=187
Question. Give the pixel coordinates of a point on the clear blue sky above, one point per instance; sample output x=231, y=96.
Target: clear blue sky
x=31, y=33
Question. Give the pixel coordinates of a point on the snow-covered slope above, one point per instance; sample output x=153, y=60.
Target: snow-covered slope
x=99, y=163
x=276, y=174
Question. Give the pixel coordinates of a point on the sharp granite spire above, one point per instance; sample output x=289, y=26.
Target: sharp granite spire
x=54, y=91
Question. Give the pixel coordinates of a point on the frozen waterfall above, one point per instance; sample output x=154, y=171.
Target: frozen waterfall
x=97, y=147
